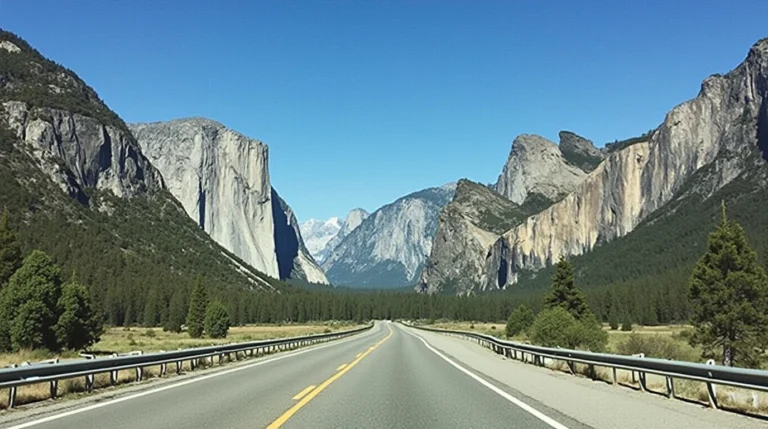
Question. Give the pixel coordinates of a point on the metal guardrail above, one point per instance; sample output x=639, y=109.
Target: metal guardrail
x=708, y=373
x=14, y=377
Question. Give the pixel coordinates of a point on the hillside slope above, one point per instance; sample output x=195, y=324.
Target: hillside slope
x=78, y=187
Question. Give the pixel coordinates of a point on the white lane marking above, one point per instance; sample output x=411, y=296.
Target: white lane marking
x=174, y=385
x=536, y=413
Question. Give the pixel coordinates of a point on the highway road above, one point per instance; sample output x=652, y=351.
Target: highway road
x=388, y=377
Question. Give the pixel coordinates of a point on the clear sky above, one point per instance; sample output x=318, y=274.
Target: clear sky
x=364, y=101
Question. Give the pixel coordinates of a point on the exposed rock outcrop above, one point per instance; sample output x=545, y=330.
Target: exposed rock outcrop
x=221, y=178
x=94, y=155
x=720, y=128
x=536, y=165
x=579, y=151
x=389, y=248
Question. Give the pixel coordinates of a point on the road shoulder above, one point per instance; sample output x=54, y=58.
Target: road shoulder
x=595, y=404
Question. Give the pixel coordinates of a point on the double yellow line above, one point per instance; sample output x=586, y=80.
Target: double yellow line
x=309, y=396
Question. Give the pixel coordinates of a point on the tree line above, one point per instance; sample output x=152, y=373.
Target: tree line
x=726, y=300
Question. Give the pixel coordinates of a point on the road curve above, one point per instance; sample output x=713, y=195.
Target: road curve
x=389, y=377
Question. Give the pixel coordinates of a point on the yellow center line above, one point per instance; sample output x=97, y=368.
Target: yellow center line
x=291, y=411
x=358, y=355
x=341, y=367
x=303, y=393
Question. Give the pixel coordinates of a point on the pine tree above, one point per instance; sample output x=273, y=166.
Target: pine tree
x=177, y=312
x=79, y=325
x=10, y=249
x=729, y=296
x=198, y=302
x=29, y=304
x=217, y=320
x=564, y=293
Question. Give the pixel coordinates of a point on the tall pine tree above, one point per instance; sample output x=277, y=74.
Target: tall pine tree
x=198, y=302
x=729, y=296
x=564, y=293
x=10, y=249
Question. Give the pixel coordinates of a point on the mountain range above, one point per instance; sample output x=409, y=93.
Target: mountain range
x=138, y=210
x=555, y=201
x=385, y=249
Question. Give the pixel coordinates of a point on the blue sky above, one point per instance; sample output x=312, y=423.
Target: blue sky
x=364, y=101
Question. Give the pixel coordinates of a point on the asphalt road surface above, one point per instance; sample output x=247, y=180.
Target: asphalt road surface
x=388, y=377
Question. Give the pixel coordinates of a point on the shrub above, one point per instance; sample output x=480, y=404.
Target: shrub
x=150, y=333
x=556, y=327
x=519, y=321
x=657, y=346
x=326, y=331
x=131, y=341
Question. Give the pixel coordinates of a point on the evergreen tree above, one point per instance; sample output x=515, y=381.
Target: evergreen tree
x=79, y=325
x=626, y=324
x=729, y=295
x=217, y=320
x=10, y=249
x=177, y=312
x=152, y=308
x=198, y=302
x=29, y=304
x=564, y=293
x=519, y=321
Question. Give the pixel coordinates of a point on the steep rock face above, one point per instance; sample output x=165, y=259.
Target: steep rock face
x=389, y=248
x=719, y=128
x=97, y=156
x=293, y=259
x=222, y=179
x=536, y=165
x=467, y=229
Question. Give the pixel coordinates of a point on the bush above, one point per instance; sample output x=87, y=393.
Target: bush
x=472, y=326
x=519, y=321
x=217, y=320
x=626, y=326
x=657, y=346
x=131, y=341
x=150, y=333
x=493, y=327
x=556, y=327
x=326, y=331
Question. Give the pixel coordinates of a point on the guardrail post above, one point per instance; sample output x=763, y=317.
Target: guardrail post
x=12, y=392
x=712, y=389
x=614, y=380
x=89, y=382
x=54, y=388
x=592, y=373
x=570, y=367
x=112, y=377
x=163, y=369
x=139, y=373
x=178, y=366
x=670, y=387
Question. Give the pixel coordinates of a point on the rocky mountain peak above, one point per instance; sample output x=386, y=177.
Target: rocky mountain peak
x=221, y=177
x=579, y=151
x=536, y=165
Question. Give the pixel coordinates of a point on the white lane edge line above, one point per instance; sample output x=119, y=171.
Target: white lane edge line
x=172, y=385
x=536, y=413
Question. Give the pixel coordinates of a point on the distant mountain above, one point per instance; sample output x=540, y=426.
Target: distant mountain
x=221, y=177
x=321, y=237
x=640, y=215
x=390, y=246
